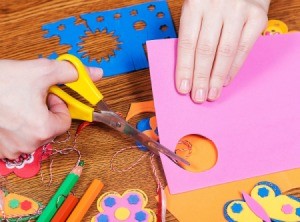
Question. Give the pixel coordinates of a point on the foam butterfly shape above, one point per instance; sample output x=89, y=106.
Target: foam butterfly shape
x=265, y=203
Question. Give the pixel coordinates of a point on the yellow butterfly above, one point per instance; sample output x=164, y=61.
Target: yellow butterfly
x=265, y=203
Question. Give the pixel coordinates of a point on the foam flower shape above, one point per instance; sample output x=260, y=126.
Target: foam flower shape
x=27, y=165
x=129, y=207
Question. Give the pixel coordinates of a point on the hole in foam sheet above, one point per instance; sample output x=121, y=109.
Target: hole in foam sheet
x=61, y=27
x=139, y=25
x=90, y=45
x=117, y=16
x=134, y=12
x=201, y=152
x=163, y=28
x=160, y=15
x=100, y=19
x=151, y=7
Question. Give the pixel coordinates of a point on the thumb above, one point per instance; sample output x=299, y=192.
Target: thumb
x=59, y=120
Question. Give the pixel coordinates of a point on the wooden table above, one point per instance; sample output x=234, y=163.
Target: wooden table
x=22, y=38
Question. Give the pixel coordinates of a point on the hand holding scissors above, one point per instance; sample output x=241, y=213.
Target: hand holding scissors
x=100, y=112
x=29, y=117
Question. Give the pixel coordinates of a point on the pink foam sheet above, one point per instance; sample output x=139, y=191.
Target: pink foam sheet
x=255, y=125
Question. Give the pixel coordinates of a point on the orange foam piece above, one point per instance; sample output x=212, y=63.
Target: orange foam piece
x=141, y=107
x=151, y=134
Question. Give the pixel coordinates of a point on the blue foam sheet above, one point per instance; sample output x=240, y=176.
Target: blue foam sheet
x=130, y=54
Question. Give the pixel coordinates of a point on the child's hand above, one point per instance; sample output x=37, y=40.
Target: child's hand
x=215, y=37
x=29, y=117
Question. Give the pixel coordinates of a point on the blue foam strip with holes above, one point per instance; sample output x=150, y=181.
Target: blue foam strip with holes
x=130, y=54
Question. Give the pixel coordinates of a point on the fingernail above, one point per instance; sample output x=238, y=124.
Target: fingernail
x=227, y=81
x=200, y=95
x=213, y=93
x=184, y=86
x=96, y=71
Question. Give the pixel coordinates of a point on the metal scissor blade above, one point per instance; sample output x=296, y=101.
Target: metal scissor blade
x=102, y=106
x=113, y=120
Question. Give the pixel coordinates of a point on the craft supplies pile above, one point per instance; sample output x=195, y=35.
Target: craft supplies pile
x=235, y=165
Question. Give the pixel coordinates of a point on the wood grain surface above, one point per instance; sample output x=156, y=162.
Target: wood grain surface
x=22, y=38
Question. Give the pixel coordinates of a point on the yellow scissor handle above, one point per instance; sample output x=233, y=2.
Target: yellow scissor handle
x=77, y=109
x=84, y=86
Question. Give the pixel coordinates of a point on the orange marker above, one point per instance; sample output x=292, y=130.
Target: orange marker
x=86, y=201
x=65, y=209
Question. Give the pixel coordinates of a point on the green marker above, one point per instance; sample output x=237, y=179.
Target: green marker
x=63, y=191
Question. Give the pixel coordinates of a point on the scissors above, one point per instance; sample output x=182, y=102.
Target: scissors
x=100, y=112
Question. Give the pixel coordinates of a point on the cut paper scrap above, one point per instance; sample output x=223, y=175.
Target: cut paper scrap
x=254, y=125
x=129, y=207
x=131, y=27
x=207, y=204
x=140, y=107
x=27, y=165
x=147, y=126
x=18, y=207
x=266, y=203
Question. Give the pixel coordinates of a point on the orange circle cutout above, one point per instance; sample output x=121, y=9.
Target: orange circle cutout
x=199, y=151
